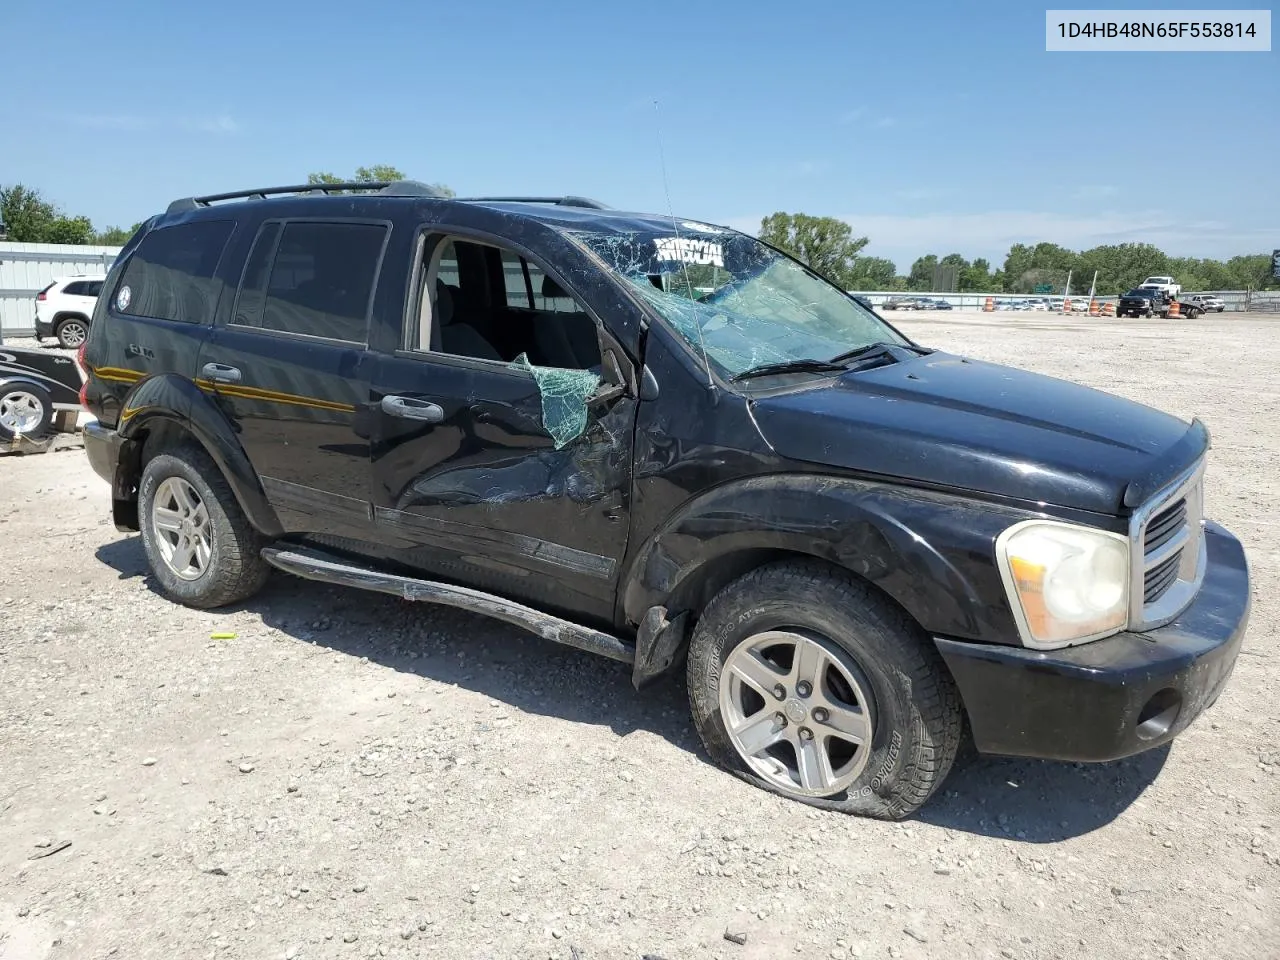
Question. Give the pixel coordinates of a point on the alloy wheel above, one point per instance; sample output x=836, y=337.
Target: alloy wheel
x=797, y=710
x=183, y=535
x=21, y=412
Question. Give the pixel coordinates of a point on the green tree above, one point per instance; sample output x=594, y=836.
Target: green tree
x=29, y=218
x=872, y=273
x=826, y=245
x=921, y=276
x=116, y=236
x=378, y=173
x=26, y=216
x=976, y=277
x=1252, y=271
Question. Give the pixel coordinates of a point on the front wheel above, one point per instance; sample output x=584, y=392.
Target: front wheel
x=201, y=547
x=805, y=681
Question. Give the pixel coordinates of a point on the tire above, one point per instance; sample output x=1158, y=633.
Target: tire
x=71, y=332
x=231, y=568
x=25, y=408
x=877, y=656
x=1148, y=313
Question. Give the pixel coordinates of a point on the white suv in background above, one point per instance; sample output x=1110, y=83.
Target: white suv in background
x=64, y=307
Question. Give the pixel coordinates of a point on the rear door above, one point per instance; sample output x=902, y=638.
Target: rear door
x=159, y=310
x=290, y=367
x=502, y=440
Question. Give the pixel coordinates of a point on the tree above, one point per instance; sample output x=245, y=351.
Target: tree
x=116, y=236
x=921, y=276
x=976, y=278
x=824, y=244
x=378, y=173
x=872, y=273
x=29, y=218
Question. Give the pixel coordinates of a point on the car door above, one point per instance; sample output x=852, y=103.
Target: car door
x=490, y=469
x=289, y=366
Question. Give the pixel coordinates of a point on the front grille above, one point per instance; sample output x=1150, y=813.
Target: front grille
x=1165, y=525
x=1168, y=542
x=1157, y=581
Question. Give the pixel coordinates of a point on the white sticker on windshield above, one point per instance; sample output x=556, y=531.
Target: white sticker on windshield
x=700, y=227
x=685, y=250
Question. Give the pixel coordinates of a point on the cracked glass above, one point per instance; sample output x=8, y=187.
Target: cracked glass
x=741, y=301
x=564, y=396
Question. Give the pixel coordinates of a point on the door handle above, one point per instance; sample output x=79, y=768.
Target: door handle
x=221, y=373
x=410, y=409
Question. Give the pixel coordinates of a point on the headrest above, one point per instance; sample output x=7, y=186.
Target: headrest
x=443, y=313
x=552, y=289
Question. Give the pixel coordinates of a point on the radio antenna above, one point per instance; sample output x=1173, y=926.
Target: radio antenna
x=684, y=264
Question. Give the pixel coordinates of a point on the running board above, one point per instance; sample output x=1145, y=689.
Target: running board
x=327, y=569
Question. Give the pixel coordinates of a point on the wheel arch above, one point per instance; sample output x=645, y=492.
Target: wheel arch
x=64, y=315
x=164, y=411
x=923, y=550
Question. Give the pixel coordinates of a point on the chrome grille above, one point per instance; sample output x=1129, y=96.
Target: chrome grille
x=1168, y=548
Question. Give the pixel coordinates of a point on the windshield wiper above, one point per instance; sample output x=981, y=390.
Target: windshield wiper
x=791, y=366
x=860, y=353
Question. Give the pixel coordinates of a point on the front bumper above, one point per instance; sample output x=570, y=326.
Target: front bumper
x=1115, y=697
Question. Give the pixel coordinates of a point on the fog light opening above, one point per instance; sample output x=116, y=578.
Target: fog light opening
x=1158, y=714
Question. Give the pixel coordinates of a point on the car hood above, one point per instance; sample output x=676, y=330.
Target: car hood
x=950, y=421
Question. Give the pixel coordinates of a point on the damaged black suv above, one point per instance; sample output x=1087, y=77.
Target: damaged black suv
x=671, y=444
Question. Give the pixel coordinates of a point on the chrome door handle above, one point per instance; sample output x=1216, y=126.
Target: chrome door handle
x=410, y=409
x=221, y=373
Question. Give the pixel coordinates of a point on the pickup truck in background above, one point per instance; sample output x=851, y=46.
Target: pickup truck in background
x=1166, y=284
x=1206, y=302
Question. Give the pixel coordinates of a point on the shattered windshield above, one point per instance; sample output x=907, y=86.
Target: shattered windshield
x=744, y=303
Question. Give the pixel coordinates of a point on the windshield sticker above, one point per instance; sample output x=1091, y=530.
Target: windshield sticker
x=684, y=250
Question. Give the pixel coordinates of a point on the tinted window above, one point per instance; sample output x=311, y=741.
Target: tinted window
x=76, y=288
x=170, y=276
x=93, y=288
x=319, y=281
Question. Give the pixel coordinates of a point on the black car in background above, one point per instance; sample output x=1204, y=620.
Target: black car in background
x=669, y=444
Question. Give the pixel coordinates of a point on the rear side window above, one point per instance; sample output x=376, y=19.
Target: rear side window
x=310, y=278
x=93, y=288
x=170, y=276
x=77, y=288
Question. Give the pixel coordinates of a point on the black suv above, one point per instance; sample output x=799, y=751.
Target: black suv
x=667, y=443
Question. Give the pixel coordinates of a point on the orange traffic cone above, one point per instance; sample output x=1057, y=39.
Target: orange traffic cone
x=1093, y=308
x=1175, y=310
x=990, y=304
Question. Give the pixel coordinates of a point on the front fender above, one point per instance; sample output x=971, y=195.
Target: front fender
x=174, y=399
x=931, y=552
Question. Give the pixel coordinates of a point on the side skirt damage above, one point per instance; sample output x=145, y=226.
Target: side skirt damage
x=328, y=569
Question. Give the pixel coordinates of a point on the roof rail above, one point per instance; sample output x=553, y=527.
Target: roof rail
x=558, y=201
x=396, y=188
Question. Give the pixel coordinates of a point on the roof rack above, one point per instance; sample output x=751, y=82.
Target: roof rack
x=558, y=201
x=386, y=188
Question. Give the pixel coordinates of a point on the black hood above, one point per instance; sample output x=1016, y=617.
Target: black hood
x=946, y=420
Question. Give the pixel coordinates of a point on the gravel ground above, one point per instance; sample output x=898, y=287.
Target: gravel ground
x=354, y=776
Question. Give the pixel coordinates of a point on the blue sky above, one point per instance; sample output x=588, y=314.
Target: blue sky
x=929, y=127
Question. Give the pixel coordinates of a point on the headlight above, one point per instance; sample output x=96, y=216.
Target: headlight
x=1067, y=584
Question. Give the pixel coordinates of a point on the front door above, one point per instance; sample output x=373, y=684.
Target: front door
x=501, y=452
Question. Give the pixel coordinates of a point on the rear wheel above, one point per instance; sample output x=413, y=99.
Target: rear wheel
x=201, y=547
x=25, y=409
x=806, y=682
x=71, y=333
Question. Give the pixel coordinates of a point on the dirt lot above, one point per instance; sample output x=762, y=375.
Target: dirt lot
x=354, y=776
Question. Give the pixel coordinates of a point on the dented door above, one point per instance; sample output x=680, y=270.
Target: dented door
x=470, y=484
